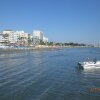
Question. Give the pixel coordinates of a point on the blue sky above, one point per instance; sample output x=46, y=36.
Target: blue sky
x=60, y=20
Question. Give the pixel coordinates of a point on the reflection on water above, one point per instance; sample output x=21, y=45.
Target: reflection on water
x=48, y=75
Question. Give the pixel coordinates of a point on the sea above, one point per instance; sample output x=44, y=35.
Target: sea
x=49, y=74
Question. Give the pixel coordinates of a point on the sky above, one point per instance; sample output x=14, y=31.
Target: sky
x=60, y=20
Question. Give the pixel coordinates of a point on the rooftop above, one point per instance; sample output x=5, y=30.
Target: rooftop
x=8, y=30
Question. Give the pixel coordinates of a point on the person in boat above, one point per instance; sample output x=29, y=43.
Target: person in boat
x=95, y=60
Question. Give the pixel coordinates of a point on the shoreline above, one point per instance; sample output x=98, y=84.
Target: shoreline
x=40, y=48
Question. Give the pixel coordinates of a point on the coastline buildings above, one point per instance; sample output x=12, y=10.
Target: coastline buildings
x=21, y=38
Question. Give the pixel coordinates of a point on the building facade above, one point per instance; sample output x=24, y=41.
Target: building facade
x=21, y=38
x=8, y=36
x=1, y=38
x=45, y=39
x=38, y=34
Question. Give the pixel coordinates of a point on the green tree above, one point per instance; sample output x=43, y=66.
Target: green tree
x=30, y=41
x=50, y=43
x=42, y=43
x=6, y=36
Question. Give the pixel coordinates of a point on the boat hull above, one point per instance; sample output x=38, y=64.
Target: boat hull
x=89, y=65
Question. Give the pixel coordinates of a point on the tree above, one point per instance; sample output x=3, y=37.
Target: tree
x=42, y=43
x=50, y=43
x=6, y=36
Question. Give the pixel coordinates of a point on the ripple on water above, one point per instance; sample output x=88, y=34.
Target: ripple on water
x=47, y=75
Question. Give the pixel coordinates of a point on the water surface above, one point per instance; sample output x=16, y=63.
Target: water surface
x=48, y=75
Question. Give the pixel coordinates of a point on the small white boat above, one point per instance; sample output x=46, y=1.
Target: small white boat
x=89, y=64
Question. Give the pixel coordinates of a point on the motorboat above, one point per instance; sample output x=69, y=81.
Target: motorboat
x=89, y=64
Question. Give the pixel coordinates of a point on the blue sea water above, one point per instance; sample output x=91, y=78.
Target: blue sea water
x=48, y=74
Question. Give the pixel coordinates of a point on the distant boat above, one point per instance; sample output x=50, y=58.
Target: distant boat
x=89, y=64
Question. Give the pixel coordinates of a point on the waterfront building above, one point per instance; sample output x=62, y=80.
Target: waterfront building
x=8, y=36
x=8, y=31
x=36, y=40
x=30, y=40
x=18, y=37
x=21, y=34
x=21, y=37
x=38, y=34
x=12, y=38
x=1, y=38
x=37, y=37
x=45, y=39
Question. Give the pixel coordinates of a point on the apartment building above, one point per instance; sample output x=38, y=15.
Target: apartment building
x=45, y=39
x=10, y=37
x=38, y=34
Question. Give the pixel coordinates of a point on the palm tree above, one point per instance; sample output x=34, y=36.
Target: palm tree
x=6, y=36
x=30, y=40
x=41, y=42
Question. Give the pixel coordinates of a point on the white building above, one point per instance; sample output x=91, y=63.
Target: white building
x=12, y=37
x=38, y=34
x=1, y=38
x=8, y=31
x=9, y=36
x=21, y=37
x=45, y=39
x=22, y=34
